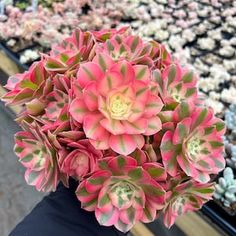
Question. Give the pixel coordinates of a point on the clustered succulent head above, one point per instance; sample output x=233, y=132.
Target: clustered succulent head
x=125, y=120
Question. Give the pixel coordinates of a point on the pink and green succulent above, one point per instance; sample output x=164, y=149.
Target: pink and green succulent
x=38, y=156
x=116, y=104
x=27, y=86
x=195, y=146
x=160, y=56
x=122, y=117
x=66, y=57
x=80, y=160
x=176, y=84
x=130, y=48
x=122, y=193
x=185, y=197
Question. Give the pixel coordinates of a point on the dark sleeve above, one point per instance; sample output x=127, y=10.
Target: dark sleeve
x=60, y=214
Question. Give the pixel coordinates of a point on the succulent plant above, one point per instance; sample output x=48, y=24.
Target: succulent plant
x=176, y=84
x=135, y=50
x=125, y=119
x=116, y=104
x=24, y=87
x=195, y=146
x=230, y=117
x=225, y=189
x=65, y=57
x=121, y=192
x=230, y=155
x=184, y=197
x=81, y=161
x=38, y=156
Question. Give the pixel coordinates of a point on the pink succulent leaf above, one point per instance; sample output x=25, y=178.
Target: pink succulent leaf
x=102, y=144
x=62, y=83
x=181, y=131
x=96, y=181
x=125, y=69
x=111, y=79
x=201, y=116
x=142, y=73
x=169, y=154
x=81, y=40
x=103, y=60
x=90, y=96
x=87, y=73
x=183, y=110
x=88, y=200
x=53, y=65
x=65, y=57
x=140, y=126
x=108, y=218
x=155, y=170
x=92, y=126
x=131, y=215
x=140, y=156
x=122, y=226
x=123, y=144
x=78, y=109
x=149, y=213
x=154, y=126
x=14, y=81
x=116, y=164
x=153, y=106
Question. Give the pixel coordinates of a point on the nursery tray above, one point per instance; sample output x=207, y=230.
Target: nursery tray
x=220, y=217
x=229, y=210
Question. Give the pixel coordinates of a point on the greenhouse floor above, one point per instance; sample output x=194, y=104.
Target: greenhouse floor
x=16, y=198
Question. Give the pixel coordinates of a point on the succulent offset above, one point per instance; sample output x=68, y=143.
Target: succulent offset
x=188, y=196
x=195, y=146
x=122, y=193
x=38, y=156
x=125, y=120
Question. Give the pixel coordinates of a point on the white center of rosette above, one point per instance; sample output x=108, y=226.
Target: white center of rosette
x=176, y=95
x=119, y=106
x=194, y=148
x=122, y=194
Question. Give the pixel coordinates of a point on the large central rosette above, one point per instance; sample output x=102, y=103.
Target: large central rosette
x=116, y=104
